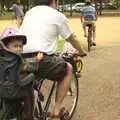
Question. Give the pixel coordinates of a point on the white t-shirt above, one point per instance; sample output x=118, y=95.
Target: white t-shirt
x=42, y=25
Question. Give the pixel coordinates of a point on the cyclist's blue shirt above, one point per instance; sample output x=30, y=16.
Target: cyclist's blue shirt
x=89, y=12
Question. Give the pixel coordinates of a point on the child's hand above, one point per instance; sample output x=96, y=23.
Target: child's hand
x=39, y=56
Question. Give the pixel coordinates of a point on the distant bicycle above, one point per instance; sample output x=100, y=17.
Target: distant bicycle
x=90, y=36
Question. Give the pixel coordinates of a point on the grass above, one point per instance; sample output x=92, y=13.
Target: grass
x=6, y=16
x=60, y=44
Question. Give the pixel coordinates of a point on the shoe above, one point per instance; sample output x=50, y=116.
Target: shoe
x=94, y=44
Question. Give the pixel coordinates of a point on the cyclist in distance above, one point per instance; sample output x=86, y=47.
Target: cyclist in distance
x=42, y=25
x=89, y=16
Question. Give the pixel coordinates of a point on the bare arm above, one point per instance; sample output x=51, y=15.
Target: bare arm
x=96, y=15
x=82, y=17
x=76, y=44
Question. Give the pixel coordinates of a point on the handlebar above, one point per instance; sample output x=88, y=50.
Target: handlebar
x=72, y=58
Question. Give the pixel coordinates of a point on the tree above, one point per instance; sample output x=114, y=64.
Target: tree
x=115, y=3
x=101, y=7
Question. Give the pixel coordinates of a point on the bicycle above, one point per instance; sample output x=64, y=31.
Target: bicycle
x=90, y=36
x=44, y=103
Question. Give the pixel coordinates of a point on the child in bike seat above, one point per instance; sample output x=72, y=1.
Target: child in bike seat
x=15, y=42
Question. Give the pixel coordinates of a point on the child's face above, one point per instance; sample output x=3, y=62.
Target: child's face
x=15, y=46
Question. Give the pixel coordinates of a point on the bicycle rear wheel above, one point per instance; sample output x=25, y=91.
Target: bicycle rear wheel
x=71, y=100
x=89, y=38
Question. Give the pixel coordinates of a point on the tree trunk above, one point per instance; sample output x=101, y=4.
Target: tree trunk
x=96, y=7
x=101, y=7
x=71, y=4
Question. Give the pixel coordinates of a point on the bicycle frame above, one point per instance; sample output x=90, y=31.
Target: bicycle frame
x=43, y=111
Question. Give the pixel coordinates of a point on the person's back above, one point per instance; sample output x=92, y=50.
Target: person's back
x=89, y=12
x=89, y=16
x=42, y=25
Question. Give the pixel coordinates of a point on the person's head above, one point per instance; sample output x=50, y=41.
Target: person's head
x=88, y=2
x=52, y=3
x=12, y=40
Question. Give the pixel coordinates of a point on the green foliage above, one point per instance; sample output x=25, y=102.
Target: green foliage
x=70, y=1
x=116, y=3
x=60, y=44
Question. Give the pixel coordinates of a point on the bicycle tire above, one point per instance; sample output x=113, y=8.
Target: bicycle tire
x=76, y=90
x=89, y=38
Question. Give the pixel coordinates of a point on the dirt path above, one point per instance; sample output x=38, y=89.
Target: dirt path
x=100, y=83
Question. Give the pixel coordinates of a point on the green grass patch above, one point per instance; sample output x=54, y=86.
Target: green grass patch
x=7, y=16
x=60, y=44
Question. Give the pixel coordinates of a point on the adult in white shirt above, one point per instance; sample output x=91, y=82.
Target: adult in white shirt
x=42, y=24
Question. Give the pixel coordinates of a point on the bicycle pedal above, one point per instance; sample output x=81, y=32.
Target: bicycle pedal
x=65, y=116
x=94, y=44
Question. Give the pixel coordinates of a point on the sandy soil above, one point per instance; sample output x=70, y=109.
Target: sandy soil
x=100, y=83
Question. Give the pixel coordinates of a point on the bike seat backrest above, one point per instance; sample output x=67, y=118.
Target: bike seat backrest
x=10, y=67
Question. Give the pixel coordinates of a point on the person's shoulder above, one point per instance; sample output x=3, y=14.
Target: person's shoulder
x=31, y=10
x=60, y=15
x=14, y=5
x=85, y=7
x=92, y=7
x=57, y=14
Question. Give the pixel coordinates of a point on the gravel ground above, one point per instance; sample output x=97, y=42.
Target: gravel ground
x=100, y=84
